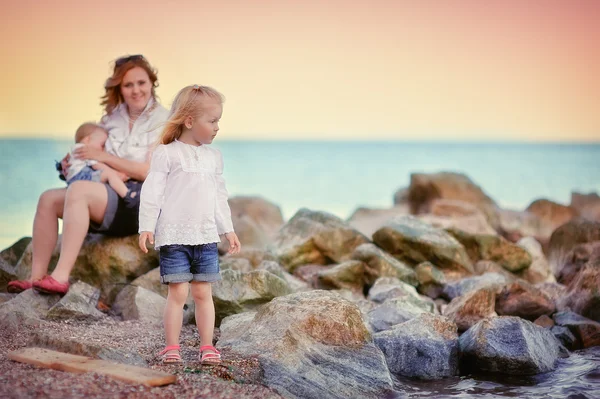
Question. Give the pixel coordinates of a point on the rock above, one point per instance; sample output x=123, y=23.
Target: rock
x=566, y=237
x=586, y=205
x=255, y=256
x=236, y=325
x=315, y=237
x=583, y=295
x=508, y=345
x=565, y=337
x=368, y=220
x=544, y=321
x=4, y=297
x=310, y=274
x=493, y=281
x=395, y=311
x=425, y=188
x=293, y=282
x=266, y=215
x=425, y=347
x=239, y=292
x=554, y=214
x=467, y=310
x=12, y=254
x=28, y=305
x=390, y=287
x=401, y=196
x=431, y=280
x=45, y=339
x=488, y=266
x=381, y=264
x=413, y=241
x=495, y=248
x=312, y=345
x=105, y=262
x=7, y=274
x=79, y=303
x=349, y=274
x=523, y=300
x=576, y=259
x=238, y=264
x=554, y=291
x=137, y=303
x=539, y=271
x=515, y=225
x=249, y=233
x=586, y=331
x=474, y=224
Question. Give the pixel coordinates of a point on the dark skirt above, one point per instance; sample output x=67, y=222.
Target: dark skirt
x=122, y=214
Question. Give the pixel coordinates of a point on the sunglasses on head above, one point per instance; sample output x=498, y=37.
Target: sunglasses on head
x=123, y=60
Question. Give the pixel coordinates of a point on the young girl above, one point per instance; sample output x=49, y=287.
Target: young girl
x=184, y=210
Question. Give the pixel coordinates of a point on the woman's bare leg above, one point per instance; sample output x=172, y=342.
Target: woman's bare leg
x=45, y=230
x=85, y=200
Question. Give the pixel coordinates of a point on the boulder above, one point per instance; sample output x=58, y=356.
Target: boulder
x=105, y=262
x=381, y=264
x=395, y=311
x=586, y=205
x=431, y=279
x=487, y=266
x=551, y=212
x=508, y=345
x=425, y=188
x=576, y=259
x=413, y=241
x=524, y=300
x=493, y=281
x=266, y=215
x=349, y=274
x=566, y=237
x=515, y=225
x=239, y=292
x=390, y=287
x=468, y=309
x=315, y=237
x=137, y=303
x=583, y=295
x=425, y=347
x=7, y=274
x=311, y=345
x=12, y=254
x=544, y=321
x=495, y=248
x=79, y=303
x=369, y=220
x=27, y=309
x=586, y=331
x=293, y=282
x=539, y=270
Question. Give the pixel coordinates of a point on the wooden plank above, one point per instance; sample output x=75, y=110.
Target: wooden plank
x=82, y=364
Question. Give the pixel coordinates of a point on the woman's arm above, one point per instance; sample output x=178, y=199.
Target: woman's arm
x=133, y=169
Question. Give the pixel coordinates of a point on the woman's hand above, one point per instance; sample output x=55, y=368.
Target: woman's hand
x=64, y=164
x=146, y=236
x=87, y=152
x=234, y=243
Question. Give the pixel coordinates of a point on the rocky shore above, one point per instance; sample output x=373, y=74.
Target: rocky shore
x=443, y=283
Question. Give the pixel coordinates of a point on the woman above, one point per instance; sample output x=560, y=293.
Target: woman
x=133, y=119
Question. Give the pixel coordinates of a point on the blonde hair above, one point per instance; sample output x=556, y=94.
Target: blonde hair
x=113, y=97
x=190, y=101
x=86, y=130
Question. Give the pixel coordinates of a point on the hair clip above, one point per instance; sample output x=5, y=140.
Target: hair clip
x=196, y=87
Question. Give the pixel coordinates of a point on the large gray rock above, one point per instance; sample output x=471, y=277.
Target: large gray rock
x=467, y=310
x=105, y=262
x=79, y=303
x=311, y=345
x=239, y=292
x=381, y=264
x=508, y=345
x=425, y=347
x=395, y=311
x=413, y=241
x=313, y=237
x=137, y=303
x=390, y=287
x=493, y=281
x=12, y=254
x=26, y=311
x=293, y=282
x=7, y=274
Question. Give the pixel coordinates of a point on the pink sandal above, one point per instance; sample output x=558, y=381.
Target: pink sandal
x=171, y=358
x=18, y=286
x=48, y=285
x=210, y=358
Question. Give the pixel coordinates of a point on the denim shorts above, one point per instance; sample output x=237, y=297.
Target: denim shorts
x=185, y=263
x=86, y=173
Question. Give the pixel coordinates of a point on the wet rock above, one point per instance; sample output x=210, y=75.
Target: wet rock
x=586, y=331
x=425, y=347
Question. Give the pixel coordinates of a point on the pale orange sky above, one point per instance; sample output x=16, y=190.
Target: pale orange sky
x=422, y=69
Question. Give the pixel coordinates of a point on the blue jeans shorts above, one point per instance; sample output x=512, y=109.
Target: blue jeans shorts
x=185, y=263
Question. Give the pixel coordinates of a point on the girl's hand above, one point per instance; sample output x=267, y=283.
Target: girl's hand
x=146, y=235
x=87, y=152
x=234, y=243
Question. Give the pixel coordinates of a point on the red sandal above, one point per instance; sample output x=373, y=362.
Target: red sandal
x=48, y=285
x=171, y=358
x=18, y=286
x=210, y=358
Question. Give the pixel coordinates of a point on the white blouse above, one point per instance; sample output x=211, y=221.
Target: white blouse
x=134, y=145
x=184, y=198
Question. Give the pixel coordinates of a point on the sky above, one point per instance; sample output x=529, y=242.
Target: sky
x=317, y=70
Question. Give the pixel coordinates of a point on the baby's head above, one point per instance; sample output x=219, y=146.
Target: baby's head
x=196, y=110
x=91, y=134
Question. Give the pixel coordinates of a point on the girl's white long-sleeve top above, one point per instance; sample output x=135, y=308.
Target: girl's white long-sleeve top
x=184, y=198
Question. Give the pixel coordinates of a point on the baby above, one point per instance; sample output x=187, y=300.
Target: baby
x=94, y=136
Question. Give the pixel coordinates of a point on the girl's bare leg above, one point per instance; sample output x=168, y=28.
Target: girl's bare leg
x=84, y=200
x=45, y=230
x=173, y=316
x=205, y=311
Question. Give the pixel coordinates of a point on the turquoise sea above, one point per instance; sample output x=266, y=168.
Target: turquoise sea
x=336, y=177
